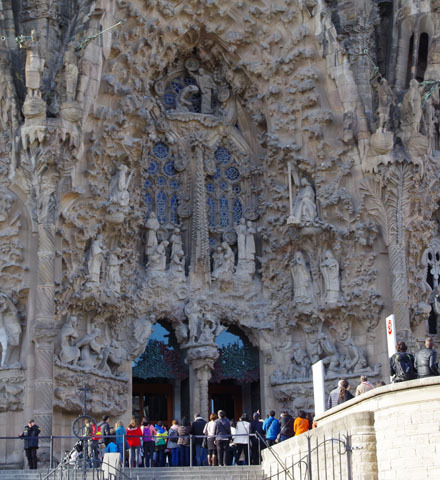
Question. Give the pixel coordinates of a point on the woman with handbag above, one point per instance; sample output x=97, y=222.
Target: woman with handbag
x=209, y=431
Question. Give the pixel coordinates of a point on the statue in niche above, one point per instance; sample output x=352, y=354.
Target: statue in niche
x=96, y=257
x=34, y=66
x=386, y=99
x=302, y=280
x=303, y=209
x=176, y=242
x=208, y=329
x=69, y=353
x=158, y=259
x=10, y=333
x=118, y=188
x=217, y=259
x=241, y=231
x=113, y=282
x=411, y=111
x=250, y=242
x=183, y=99
x=206, y=84
x=225, y=262
x=90, y=349
x=193, y=312
x=152, y=226
x=330, y=272
x=71, y=74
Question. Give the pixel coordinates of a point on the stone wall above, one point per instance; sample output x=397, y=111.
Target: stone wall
x=393, y=433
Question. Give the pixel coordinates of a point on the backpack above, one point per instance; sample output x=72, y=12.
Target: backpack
x=403, y=367
x=173, y=435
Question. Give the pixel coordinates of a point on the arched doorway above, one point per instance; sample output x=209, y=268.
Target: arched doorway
x=160, y=378
x=235, y=382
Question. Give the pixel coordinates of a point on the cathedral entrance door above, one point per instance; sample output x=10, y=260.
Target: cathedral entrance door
x=228, y=398
x=155, y=401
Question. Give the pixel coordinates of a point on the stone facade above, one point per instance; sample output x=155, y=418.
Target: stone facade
x=268, y=166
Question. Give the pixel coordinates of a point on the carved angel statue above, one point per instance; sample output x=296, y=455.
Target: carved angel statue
x=303, y=208
x=119, y=184
x=10, y=332
x=69, y=353
x=113, y=282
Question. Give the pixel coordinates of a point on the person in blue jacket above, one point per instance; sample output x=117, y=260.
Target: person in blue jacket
x=271, y=427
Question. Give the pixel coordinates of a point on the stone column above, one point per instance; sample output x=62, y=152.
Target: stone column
x=363, y=438
x=201, y=359
x=44, y=336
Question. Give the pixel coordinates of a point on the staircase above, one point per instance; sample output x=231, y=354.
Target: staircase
x=178, y=473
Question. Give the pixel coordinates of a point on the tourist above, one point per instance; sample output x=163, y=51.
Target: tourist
x=426, y=360
x=402, y=364
x=148, y=441
x=184, y=440
x=271, y=427
x=364, y=386
x=340, y=394
x=134, y=434
x=242, y=439
x=301, y=423
x=230, y=451
x=379, y=383
x=197, y=428
x=222, y=435
x=209, y=431
x=257, y=433
x=30, y=436
x=173, y=435
x=286, y=426
x=111, y=446
x=121, y=440
x=160, y=444
x=104, y=429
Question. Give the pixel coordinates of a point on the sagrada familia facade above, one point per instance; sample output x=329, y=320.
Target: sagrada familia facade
x=268, y=166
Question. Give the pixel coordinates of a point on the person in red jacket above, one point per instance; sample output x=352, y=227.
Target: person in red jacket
x=134, y=434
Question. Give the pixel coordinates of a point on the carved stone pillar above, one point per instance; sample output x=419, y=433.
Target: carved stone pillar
x=399, y=288
x=202, y=361
x=44, y=335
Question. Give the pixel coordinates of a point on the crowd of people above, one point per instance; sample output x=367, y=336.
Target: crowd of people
x=211, y=442
x=403, y=366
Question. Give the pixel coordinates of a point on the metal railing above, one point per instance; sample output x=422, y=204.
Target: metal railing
x=321, y=461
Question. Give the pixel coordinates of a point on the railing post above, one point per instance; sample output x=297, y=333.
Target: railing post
x=249, y=451
x=190, y=451
x=51, y=452
x=349, y=452
x=123, y=450
x=309, y=457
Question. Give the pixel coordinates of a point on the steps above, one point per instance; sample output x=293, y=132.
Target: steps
x=191, y=473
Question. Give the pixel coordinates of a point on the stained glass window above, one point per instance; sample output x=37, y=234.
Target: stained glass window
x=224, y=212
x=223, y=190
x=161, y=184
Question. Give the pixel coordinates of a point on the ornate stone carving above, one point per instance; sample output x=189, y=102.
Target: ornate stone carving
x=303, y=208
x=302, y=281
x=95, y=262
x=152, y=227
x=330, y=272
x=118, y=189
x=10, y=333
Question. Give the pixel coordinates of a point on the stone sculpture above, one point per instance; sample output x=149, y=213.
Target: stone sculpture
x=411, y=112
x=302, y=280
x=158, y=259
x=330, y=272
x=118, y=188
x=300, y=367
x=10, y=333
x=90, y=349
x=241, y=231
x=34, y=65
x=193, y=312
x=386, y=99
x=177, y=264
x=96, y=258
x=176, y=242
x=113, y=280
x=225, y=262
x=152, y=227
x=69, y=353
x=207, y=87
x=304, y=207
x=71, y=74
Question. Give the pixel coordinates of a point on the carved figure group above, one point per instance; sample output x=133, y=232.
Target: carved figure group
x=10, y=332
x=224, y=261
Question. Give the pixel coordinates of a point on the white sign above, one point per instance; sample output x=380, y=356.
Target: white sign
x=318, y=387
x=391, y=335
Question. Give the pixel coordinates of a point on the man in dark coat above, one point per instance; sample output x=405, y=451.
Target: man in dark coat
x=402, y=364
x=222, y=436
x=30, y=436
x=286, y=426
x=426, y=360
x=197, y=428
